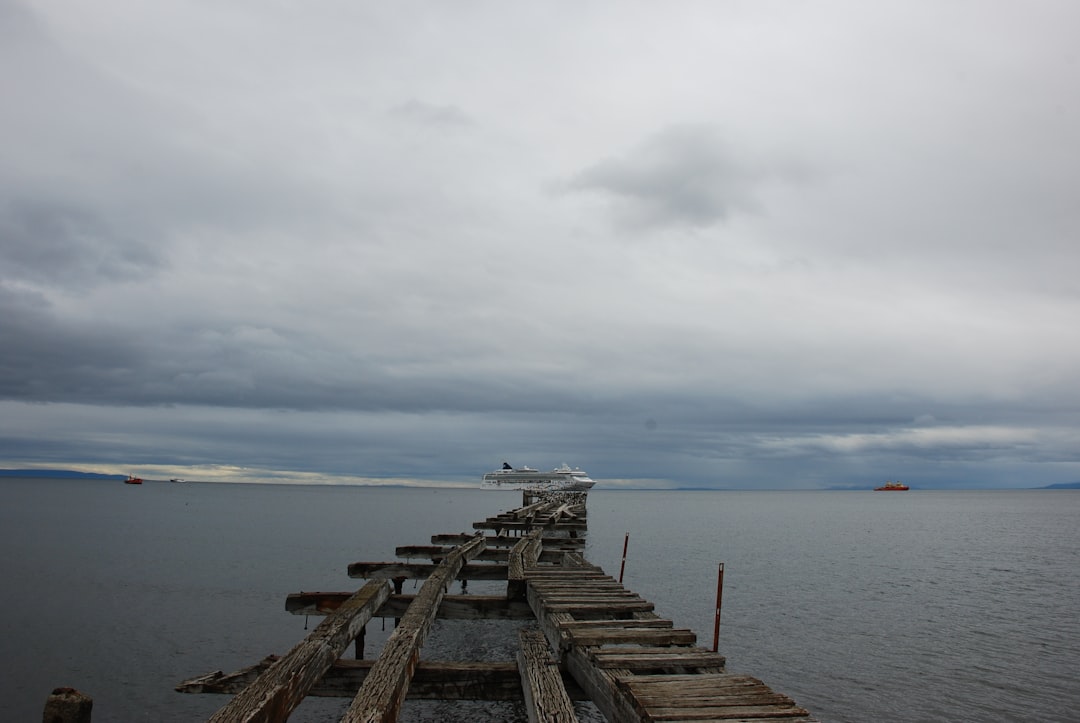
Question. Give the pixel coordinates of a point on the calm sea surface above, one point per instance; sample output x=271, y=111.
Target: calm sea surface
x=921, y=606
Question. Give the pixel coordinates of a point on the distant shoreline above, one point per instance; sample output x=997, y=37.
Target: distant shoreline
x=75, y=474
x=59, y=474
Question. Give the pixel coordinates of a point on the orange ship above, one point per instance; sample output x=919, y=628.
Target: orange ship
x=896, y=486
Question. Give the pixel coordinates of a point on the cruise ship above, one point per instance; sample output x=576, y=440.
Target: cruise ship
x=560, y=479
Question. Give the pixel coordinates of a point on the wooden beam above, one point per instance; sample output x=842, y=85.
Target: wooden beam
x=438, y=552
x=616, y=635
x=498, y=525
x=505, y=541
x=433, y=680
x=522, y=555
x=546, y=700
x=453, y=607
x=643, y=658
x=420, y=571
x=602, y=687
x=380, y=697
x=282, y=687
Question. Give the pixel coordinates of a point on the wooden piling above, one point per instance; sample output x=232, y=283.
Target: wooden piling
x=67, y=705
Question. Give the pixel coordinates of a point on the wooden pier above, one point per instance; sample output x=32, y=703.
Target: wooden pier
x=581, y=636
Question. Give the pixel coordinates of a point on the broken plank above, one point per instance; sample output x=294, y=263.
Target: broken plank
x=504, y=525
x=437, y=552
x=503, y=541
x=650, y=658
x=383, y=691
x=282, y=687
x=433, y=680
x=453, y=607
x=522, y=555
x=631, y=636
x=420, y=571
x=713, y=713
x=546, y=698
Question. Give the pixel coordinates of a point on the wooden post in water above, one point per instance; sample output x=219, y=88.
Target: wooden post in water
x=719, y=600
x=358, y=644
x=625, y=544
x=67, y=705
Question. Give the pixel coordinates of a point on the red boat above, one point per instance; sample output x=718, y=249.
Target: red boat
x=133, y=480
x=897, y=486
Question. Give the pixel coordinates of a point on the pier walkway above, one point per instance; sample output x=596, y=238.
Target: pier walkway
x=581, y=635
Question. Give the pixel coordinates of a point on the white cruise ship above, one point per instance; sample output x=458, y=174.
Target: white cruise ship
x=560, y=479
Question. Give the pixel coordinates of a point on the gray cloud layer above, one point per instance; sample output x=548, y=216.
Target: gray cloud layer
x=731, y=246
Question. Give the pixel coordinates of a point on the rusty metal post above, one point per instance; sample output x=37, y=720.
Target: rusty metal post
x=625, y=544
x=719, y=601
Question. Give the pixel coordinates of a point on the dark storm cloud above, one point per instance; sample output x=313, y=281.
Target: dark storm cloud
x=68, y=246
x=45, y=360
x=682, y=176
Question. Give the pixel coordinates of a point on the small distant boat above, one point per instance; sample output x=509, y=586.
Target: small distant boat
x=896, y=486
x=133, y=480
x=175, y=479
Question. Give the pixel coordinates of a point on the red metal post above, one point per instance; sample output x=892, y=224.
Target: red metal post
x=719, y=601
x=626, y=542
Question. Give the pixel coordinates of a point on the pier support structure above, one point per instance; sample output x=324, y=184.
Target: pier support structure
x=591, y=638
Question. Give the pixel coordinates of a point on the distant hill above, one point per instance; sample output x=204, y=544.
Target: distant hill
x=58, y=474
x=1063, y=486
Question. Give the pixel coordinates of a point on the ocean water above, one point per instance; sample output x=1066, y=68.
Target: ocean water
x=921, y=606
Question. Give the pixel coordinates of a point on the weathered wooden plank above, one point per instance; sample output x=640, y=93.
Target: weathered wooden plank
x=675, y=699
x=420, y=571
x=693, y=690
x=437, y=552
x=725, y=713
x=576, y=559
x=625, y=624
x=769, y=719
x=646, y=658
x=602, y=688
x=281, y=688
x=782, y=719
x=561, y=574
x=453, y=607
x=381, y=695
x=546, y=700
x=586, y=595
x=522, y=555
x=432, y=680
x=510, y=524
x=548, y=577
x=587, y=610
x=630, y=636
x=711, y=679
x=503, y=541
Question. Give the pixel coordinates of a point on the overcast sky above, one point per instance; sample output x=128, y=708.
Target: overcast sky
x=739, y=244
